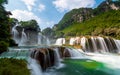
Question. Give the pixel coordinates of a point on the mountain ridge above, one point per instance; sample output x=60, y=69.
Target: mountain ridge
x=77, y=21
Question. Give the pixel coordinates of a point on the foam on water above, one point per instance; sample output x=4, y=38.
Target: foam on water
x=35, y=67
x=111, y=60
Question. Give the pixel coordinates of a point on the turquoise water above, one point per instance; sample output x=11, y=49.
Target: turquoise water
x=73, y=66
x=84, y=67
x=16, y=52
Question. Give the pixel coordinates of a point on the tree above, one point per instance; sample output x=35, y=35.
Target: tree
x=3, y=2
x=31, y=24
x=4, y=26
x=50, y=33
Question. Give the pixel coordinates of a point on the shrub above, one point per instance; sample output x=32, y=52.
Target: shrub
x=3, y=46
x=10, y=66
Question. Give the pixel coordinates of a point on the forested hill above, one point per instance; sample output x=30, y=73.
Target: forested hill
x=103, y=20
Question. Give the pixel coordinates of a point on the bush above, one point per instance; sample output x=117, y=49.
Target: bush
x=3, y=46
x=10, y=66
x=12, y=43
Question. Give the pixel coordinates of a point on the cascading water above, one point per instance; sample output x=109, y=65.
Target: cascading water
x=98, y=44
x=57, y=60
x=24, y=39
x=72, y=41
x=35, y=67
x=15, y=34
x=42, y=40
x=60, y=41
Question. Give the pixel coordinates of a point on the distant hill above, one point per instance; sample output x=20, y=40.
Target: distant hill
x=103, y=20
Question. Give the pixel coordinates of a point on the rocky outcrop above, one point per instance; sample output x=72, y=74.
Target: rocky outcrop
x=25, y=36
x=107, y=6
x=47, y=57
x=75, y=15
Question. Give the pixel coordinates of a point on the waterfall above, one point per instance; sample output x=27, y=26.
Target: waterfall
x=118, y=45
x=34, y=67
x=58, y=58
x=75, y=53
x=15, y=34
x=42, y=40
x=72, y=41
x=97, y=44
x=60, y=41
x=24, y=38
x=52, y=57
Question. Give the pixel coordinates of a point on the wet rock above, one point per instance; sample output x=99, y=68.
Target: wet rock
x=46, y=57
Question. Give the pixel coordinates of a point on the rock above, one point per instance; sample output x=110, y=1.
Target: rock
x=46, y=56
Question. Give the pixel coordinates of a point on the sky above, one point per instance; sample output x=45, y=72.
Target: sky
x=46, y=12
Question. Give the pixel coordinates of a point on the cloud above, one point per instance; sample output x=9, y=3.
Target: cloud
x=63, y=5
x=23, y=15
x=41, y=7
x=46, y=24
x=29, y=4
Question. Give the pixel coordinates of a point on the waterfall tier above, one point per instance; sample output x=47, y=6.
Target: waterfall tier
x=48, y=57
x=28, y=37
x=97, y=44
x=60, y=41
x=93, y=44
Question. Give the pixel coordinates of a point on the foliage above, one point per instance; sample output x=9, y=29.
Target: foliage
x=10, y=66
x=73, y=16
x=48, y=32
x=3, y=46
x=102, y=20
x=31, y=24
x=107, y=24
x=3, y=2
x=4, y=27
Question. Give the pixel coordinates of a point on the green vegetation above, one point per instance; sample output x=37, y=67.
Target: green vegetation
x=101, y=21
x=107, y=24
x=5, y=36
x=48, y=32
x=3, y=46
x=75, y=15
x=10, y=66
x=31, y=24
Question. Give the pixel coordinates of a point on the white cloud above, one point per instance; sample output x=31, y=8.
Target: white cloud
x=23, y=15
x=41, y=7
x=63, y=5
x=46, y=24
x=29, y=4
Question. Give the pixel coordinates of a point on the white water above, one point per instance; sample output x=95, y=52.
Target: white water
x=72, y=41
x=15, y=34
x=76, y=53
x=24, y=39
x=118, y=45
x=34, y=67
x=97, y=44
x=111, y=60
x=42, y=40
x=60, y=41
x=83, y=42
